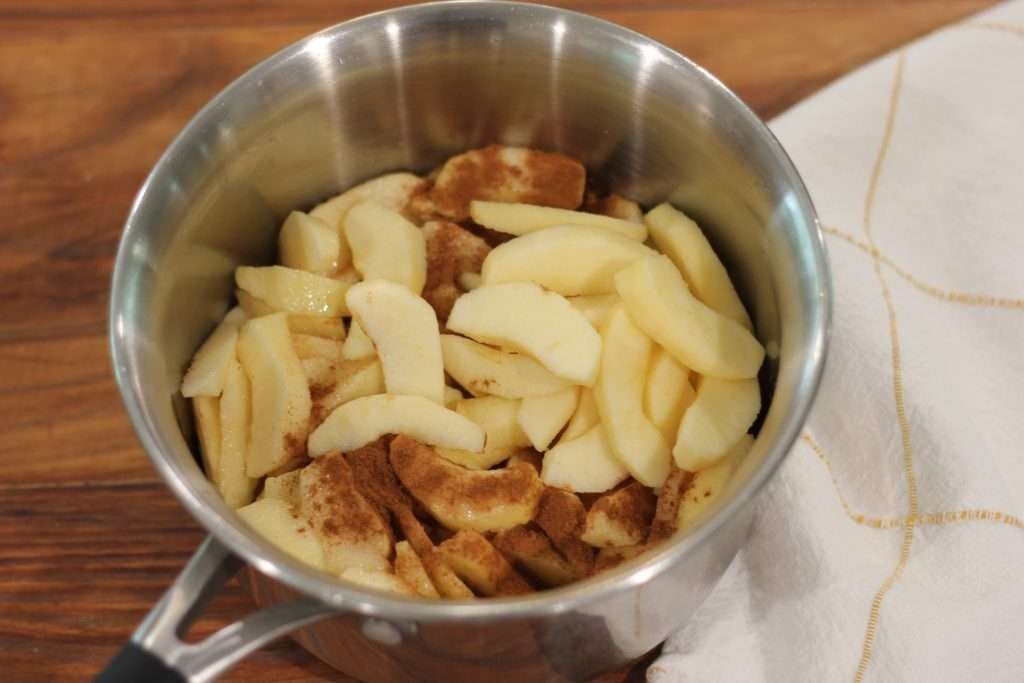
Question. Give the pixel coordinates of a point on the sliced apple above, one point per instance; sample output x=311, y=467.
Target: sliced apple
x=281, y=403
x=229, y=476
x=441, y=575
x=488, y=500
x=482, y=369
x=283, y=487
x=403, y=329
x=206, y=374
x=451, y=396
x=294, y=291
x=499, y=419
x=666, y=511
x=317, y=326
x=307, y=243
x=521, y=316
x=636, y=442
x=721, y=413
x=453, y=253
x=357, y=345
x=308, y=346
x=532, y=553
x=284, y=527
x=520, y=219
x=481, y=566
x=682, y=240
x=378, y=580
x=254, y=307
x=708, y=484
x=660, y=303
x=621, y=518
x=351, y=532
x=391, y=191
x=667, y=393
x=206, y=411
x=410, y=569
x=362, y=420
x=542, y=417
x=568, y=259
x=386, y=246
x=585, y=417
x=561, y=515
x=595, y=307
x=584, y=464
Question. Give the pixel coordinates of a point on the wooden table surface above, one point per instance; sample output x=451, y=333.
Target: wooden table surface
x=91, y=91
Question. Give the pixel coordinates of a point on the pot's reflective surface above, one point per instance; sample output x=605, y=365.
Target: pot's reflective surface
x=405, y=89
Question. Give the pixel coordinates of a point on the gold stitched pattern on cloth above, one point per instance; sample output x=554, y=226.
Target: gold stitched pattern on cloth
x=870, y=632
x=966, y=298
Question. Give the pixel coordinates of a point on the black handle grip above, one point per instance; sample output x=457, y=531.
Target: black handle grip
x=136, y=665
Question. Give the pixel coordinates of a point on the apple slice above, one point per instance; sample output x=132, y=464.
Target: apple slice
x=340, y=383
x=410, y=569
x=701, y=339
x=482, y=369
x=523, y=317
x=498, y=418
x=386, y=246
x=532, y=552
x=487, y=500
x=282, y=526
x=585, y=417
x=404, y=331
x=542, y=417
x=520, y=219
x=679, y=238
x=708, y=484
x=585, y=464
x=721, y=413
x=308, y=346
x=357, y=345
x=360, y=421
x=283, y=487
x=621, y=518
x=235, y=486
x=317, y=326
x=206, y=411
x=595, y=307
x=206, y=374
x=670, y=496
x=619, y=393
x=307, y=243
x=451, y=396
x=667, y=393
x=562, y=516
x=294, y=291
x=481, y=566
x=391, y=191
x=280, y=396
x=351, y=532
x=441, y=575
x=568, y=259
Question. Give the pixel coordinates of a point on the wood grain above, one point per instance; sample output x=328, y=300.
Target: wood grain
x=91, y=91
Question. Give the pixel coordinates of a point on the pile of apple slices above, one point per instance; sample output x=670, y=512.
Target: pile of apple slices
x=420, y=411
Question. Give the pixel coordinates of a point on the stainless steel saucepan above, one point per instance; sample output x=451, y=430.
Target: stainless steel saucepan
x=405, y=89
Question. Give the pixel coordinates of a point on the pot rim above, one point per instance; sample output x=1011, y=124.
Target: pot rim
x=264, y=557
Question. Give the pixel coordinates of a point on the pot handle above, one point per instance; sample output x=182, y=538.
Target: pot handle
x=156, y=652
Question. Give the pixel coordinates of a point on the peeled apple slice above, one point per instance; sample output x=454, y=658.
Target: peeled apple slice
x=391, y=191
x=542, y=417
x=718, y=418
x=585, y=464
x=309, y=244
x=498, y=418
x=620, y=393
x=206, y=374
x=294, y=291
x=667, y=393
x=403, y=329
x=386, y=246
x=682, y=240
x=482, y=369
x=523, y=317
x=585, y=417
x=568, y=259
x=360, y=421
x=707, y=342
x=519, y=219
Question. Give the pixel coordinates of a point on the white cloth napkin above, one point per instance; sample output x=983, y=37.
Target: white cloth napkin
x=890, y=547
